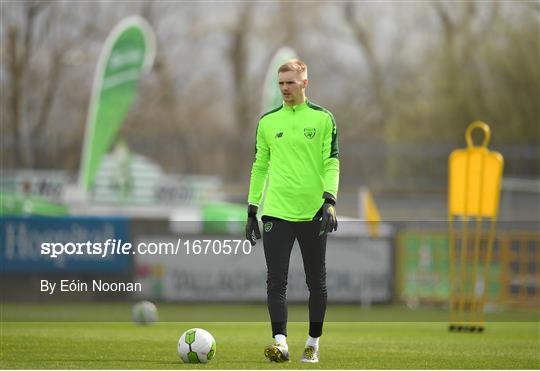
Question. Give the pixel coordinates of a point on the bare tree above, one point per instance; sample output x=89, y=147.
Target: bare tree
x=459, y=64
x=364, y=38
x=238, y=55
x=453, y=62
x=166, y=106
x=36, y=65
x=20, y=45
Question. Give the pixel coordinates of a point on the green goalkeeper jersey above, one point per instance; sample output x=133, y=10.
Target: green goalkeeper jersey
x=297, y=151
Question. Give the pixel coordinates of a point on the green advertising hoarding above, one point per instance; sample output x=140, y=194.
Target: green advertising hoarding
x=423, y=266
x=127, y=53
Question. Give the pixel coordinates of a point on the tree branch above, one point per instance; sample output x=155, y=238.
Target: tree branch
x=363, y=37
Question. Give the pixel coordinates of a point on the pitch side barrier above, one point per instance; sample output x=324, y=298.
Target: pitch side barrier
x=88, y=258
x=67, y=251
x=205, y=271
x=212, y=262
x=513, y=280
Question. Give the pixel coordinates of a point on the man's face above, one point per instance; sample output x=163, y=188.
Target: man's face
x=292, y=87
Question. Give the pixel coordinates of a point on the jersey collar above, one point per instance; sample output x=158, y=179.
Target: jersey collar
x=298, y=107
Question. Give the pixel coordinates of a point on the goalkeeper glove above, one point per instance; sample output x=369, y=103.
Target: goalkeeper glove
x=252, y=225
x=329, y=220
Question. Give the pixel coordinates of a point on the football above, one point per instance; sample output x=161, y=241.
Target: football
x=196, y=346
x=144, y=313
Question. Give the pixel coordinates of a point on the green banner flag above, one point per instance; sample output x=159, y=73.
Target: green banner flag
x=271, y=96
x=128, y=52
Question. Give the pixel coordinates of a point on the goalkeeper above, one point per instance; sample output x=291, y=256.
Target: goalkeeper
x=297, y=149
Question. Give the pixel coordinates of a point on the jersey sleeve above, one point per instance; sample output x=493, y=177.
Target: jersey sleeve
x=260, y=168
x=331, y=158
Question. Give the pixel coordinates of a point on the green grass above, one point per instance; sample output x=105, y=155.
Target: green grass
x=345, y=345
x=219, y=312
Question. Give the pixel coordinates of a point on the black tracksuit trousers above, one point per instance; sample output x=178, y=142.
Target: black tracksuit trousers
x=278, y=239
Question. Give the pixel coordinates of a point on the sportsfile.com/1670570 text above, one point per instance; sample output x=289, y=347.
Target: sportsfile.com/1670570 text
x=118, y=247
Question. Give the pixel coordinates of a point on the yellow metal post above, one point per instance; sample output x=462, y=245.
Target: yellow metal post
x=451, y=288
x=487, y=262
x=463, y=270
x=477, y=241
x=474, y=280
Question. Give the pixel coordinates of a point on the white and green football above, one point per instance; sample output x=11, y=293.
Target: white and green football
x=144, y=313
x=196, y=346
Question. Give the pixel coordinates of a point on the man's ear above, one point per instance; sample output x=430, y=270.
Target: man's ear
x=306, y=82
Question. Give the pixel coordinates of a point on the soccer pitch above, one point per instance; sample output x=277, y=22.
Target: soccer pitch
x=345, y=345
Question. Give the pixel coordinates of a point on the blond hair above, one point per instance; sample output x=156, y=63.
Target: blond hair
x=294, y=65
